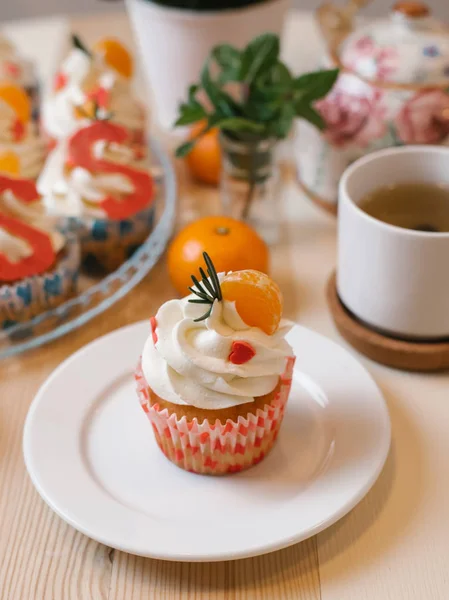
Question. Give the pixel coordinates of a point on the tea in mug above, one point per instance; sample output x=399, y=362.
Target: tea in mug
x=417, y=206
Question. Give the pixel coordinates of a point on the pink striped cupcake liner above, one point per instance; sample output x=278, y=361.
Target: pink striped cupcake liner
x=216, y=448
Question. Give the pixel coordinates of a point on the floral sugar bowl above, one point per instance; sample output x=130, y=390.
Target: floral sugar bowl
x=393, y=89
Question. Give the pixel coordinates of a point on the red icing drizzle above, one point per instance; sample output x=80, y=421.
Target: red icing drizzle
x=41, y=259
x=13, y=69
x=17, y=130
x=153, y=324
x=23, y=189
x=60, y=81
x=100, y=95
x=241, y=352
x=80, y=154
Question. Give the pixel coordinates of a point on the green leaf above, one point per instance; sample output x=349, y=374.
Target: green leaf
x=189, y=116
x=279, y=76
x=192, y=92
x=228, y=59
x=220, y=99
x=262, y=111
x=272, y=94
x=314, y=86
x=240, y=124
x=184, y=149
x=190, y=113
x=308, y=113
x=77, y=43
x=260, y=55
x=209, y=86
x=285, y=121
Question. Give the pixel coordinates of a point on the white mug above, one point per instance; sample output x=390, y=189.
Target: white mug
x=395, y=280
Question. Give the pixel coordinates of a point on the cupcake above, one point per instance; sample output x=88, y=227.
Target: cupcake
x=22, y=150
x=19, y=71
x=215, y=373
x=87, y=78
x=38, y=265
x=98, y=184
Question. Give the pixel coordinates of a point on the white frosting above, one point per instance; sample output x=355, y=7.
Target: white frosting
x=16, y=249
x=58, y=115
x=30, y=149
x=190, y=364
x=84, y=73
x=77, y=193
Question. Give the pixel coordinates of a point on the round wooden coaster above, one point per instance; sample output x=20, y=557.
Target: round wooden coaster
x=400, y=354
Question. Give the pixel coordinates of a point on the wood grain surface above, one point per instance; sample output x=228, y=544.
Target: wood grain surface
x=392, y=546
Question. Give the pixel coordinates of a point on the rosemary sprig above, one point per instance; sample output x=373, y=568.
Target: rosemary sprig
x=77, y=43
x=208, y=290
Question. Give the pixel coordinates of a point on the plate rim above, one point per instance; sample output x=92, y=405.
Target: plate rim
x=338, y=514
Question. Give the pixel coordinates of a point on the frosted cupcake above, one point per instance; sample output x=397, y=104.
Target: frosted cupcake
x=215, y=373
x=98, y=184
x=19, y=71
x=38, y=265
x=22, y=150
x=100, y=77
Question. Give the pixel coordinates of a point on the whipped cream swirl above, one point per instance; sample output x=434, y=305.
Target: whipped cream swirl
x=77, y=192
x=189, y=363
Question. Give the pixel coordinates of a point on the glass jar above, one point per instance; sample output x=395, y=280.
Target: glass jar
x=250, y=184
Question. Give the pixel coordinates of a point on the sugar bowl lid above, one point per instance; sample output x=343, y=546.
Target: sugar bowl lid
x=410, y=47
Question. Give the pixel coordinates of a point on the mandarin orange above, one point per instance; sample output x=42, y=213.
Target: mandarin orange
x=16, y=98
x=257, y=298
x=231, y=244
x=9, y=163
x=116, y=56
x=204, y=160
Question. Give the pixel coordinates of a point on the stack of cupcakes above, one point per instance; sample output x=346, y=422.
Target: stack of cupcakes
x=38, y=265
x=91, y=198
x=97, y=179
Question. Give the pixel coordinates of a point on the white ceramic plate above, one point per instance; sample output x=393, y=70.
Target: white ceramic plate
x=90, y=452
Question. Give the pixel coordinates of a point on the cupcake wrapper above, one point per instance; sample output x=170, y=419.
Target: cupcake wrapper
x=216, y=448
x=23, y=300
x=109, y=243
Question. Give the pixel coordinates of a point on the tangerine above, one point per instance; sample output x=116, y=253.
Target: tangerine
x=9, y=163
x=16, y=98
x=231, y=244
x=116, y=56
x=258, y=299
x=204, y=160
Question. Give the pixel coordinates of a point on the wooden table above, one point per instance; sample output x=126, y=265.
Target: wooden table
x=393, y=545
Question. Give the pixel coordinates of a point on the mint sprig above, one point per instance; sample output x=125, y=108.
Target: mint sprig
x=265, y=97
